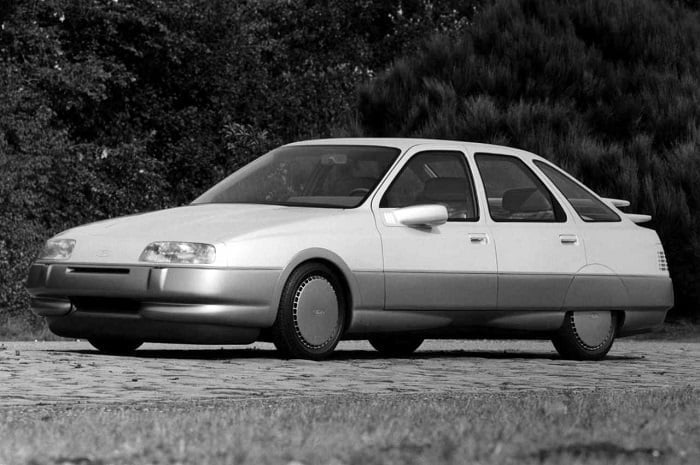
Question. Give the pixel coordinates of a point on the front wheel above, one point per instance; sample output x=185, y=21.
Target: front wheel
x=115, y=346
x=395, y=344
x=311, y=315
x=586, y=335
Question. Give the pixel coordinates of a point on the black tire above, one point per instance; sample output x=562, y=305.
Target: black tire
x=586, y=344
x=311, y=315
x=115, y=346
x=395, y=344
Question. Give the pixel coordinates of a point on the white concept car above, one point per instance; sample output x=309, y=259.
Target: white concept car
x=390, y=240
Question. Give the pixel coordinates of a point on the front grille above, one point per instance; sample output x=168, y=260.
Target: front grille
x=106, y=305
x=663, y=264
x=96, y=270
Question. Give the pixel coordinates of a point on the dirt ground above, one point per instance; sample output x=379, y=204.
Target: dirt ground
x=73, y=372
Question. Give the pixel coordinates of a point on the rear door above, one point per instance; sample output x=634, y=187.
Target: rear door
x=538, y=246
x=446, y=267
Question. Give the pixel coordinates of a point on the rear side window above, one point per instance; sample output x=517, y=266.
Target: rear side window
x=588, y=207
x=515, y=193
x=435, y=178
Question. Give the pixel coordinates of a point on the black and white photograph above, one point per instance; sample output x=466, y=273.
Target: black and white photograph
x=348, y=232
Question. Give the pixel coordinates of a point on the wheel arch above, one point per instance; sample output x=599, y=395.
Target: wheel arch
x=335, y=263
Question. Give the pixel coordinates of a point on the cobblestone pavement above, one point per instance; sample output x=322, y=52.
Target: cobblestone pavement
x=72, y=372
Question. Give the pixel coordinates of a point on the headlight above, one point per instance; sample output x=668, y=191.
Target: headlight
x=178, y=252
x=57, y=249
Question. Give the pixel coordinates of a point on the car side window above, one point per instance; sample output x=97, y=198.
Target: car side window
x=435, y=177
x=588, y=207
x=514, y=192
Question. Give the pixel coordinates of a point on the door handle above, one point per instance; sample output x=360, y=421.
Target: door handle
x=568, y=238
x=478, y=238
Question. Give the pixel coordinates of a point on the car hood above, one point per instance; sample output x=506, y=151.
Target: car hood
x=122, y=239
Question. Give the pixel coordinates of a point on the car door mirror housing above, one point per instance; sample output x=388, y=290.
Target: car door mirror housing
x=421, y=215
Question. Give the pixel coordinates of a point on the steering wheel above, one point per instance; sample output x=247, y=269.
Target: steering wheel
x=358, y=191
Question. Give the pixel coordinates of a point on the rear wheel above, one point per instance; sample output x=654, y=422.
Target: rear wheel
x=115, y=346
x=311, y=315
x=586, y=335
x=395, y=344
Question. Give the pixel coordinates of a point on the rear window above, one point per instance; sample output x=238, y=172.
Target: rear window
x=588, y=207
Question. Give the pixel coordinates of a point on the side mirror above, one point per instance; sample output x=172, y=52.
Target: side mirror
x=421, y=215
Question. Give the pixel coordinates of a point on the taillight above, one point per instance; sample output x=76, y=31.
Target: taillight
x=663, y=264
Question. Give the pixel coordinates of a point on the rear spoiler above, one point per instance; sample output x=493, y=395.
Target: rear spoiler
x=634, y=217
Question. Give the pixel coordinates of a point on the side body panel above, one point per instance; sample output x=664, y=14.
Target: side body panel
x=535, y=268
x=635, y=258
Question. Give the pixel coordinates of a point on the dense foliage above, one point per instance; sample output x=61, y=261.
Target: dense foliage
x=109, y=107
x=608, y=89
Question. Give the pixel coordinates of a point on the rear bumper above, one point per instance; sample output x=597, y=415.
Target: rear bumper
x=80, y=300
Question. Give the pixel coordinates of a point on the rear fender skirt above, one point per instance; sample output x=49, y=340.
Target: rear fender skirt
x=593, y=288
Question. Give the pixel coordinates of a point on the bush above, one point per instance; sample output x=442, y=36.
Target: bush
x=607, y=89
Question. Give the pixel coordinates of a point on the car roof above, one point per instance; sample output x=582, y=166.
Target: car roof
x=406, y=143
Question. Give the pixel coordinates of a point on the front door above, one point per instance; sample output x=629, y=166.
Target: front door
x=446, y=267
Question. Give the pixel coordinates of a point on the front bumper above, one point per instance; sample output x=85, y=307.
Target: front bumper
x=137, y=295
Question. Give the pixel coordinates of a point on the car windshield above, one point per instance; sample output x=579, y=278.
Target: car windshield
x=313, y=176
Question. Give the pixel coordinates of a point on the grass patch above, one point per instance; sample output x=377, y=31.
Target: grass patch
x=560, y=427
x=14, y=328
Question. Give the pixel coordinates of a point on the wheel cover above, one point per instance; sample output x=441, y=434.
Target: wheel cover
x=592, y=328
x=316, y=312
